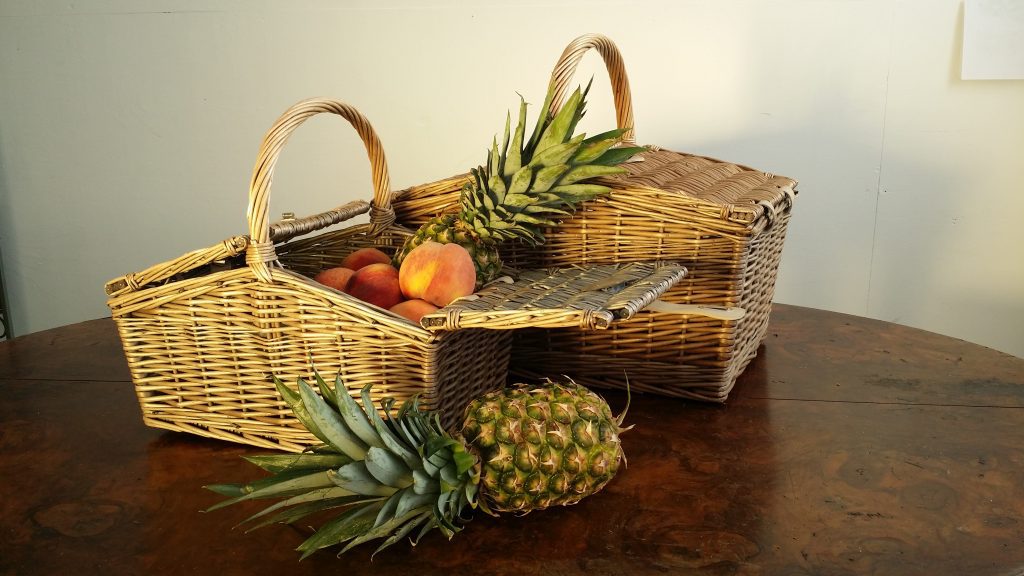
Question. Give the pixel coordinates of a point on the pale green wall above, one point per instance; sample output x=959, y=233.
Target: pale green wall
x=128, y=131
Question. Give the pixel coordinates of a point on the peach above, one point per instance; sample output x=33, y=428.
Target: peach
x=365, y=257
x=437, y=273
x=336, y=278
x=413, y=309
x=376, y=284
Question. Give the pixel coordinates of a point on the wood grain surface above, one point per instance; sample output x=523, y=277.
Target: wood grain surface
x=849, y=446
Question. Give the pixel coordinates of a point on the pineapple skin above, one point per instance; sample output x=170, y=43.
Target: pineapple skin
x=541, y=446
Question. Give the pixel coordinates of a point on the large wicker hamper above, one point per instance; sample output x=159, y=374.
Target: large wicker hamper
x=204, y=333
x=724, y=222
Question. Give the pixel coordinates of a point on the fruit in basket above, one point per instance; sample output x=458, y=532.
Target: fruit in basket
x=364, y=257
x=525, y=185
x=520, y=449
x=437, y=273
x=336, y=278
x=376, y=284
x=413, y=309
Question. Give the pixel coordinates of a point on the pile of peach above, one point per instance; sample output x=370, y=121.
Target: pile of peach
x=431, y=277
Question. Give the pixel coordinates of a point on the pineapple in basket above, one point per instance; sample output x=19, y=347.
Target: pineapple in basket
x=520, y=449
x=526, y=183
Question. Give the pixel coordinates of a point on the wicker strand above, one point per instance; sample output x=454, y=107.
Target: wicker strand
x=565, y=69
x=382, y=214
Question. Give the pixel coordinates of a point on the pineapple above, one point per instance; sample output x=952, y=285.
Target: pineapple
x=520, y=449
x=523, y=185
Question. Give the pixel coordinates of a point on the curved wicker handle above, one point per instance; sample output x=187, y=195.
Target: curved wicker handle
x=566, y=68
x=260, y=252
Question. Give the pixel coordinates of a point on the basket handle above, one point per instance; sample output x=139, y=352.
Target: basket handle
x=566, y=68
x=260, y=252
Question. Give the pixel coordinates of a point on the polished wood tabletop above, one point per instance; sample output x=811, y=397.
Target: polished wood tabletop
x=849, y=446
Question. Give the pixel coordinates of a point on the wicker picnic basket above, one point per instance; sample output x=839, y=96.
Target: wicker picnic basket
x=203, y=333
x=724, y=222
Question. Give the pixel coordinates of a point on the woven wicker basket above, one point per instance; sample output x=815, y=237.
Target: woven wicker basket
x=724, y=222
x=204, y=332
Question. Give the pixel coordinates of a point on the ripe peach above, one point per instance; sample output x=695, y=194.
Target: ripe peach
x=376, y=284
x=437, y=273
x=336, y=278
x=365, y=257
x=413, y=309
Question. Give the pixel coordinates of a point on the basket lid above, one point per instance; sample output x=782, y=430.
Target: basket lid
x=738, y=193
x=591, y=297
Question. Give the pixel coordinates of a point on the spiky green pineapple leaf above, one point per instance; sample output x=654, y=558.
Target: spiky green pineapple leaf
x=294, y=401
x=283, y=485
x=543, y=117
x=558, y=130
x=588, y=171
x=350, y=524
x=618, y=155
x=513, y=160
x=354, y=416
x=275, y=463
x=357, y=478
x=296, y=512
x=313, y=501
x=331, y=424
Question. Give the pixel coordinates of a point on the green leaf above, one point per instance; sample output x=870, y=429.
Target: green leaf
x=581, y=109
x=388, y=439
x=494, y=167
x=576, y=193
x=587, y=171
x=277, y=486
x=402, y=532
x=513, y=201
x=357, y=478
x=331, y=424
x=325, y=391
x=275, y=463
x=557, y=154
x=422, y=483
x=411, y=500
x=543, y=118
x=557, y=131
x=547, y=177
x=591, y=151
x=380, y=531
x=619, y=155
x=388, y=468
x=496, y=186
x=504, y=144
x=612, y=135
x=524, y=218
x=355, y=416
x=294, y=401
x=311, y=498
x=513, y=159
x=299, y=511
x=345, y=527
x=520, y=181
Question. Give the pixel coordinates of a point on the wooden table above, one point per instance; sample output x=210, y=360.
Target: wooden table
x=850, y=446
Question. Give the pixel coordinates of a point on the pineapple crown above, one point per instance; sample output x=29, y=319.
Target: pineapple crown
x=391, y=475
x=525, y=184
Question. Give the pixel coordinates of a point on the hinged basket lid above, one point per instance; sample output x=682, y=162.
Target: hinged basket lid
x=590, y=297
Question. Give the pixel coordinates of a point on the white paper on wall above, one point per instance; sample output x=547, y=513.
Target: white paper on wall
x=993, y=40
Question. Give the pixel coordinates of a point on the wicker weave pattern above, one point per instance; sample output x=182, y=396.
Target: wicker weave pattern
x=204, y=332
x=724, y=222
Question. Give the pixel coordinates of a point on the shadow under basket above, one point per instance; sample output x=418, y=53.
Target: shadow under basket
x=724, y=222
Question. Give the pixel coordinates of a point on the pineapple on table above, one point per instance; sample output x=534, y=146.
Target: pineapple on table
x=520, y=449
x=525, y=184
